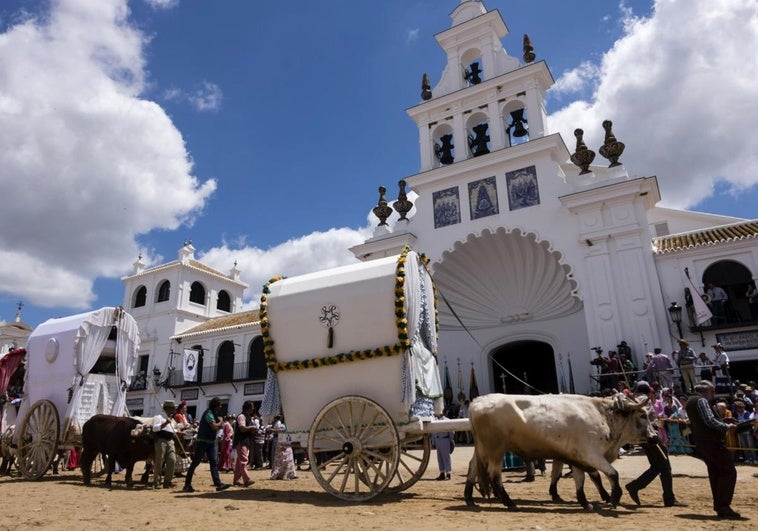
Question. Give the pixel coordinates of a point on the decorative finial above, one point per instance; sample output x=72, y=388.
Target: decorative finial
x=382, y=210
x=235, y=263
x=402, y=205
x=426, y=88
x=528, y=49
x=583, y=156
x=611, y=148
x=18, y=311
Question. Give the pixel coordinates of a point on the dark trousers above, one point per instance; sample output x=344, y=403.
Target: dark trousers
x=721, y=472
x=207, y=449
x=658, y=457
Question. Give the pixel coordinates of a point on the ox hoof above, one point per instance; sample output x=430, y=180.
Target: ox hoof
x=558, y=499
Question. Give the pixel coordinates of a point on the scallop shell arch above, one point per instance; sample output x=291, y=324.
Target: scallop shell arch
x=503, y=277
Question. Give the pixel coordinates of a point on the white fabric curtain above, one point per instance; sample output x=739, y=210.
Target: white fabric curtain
x=127, y=347
x=419, y=296
x=88, y=345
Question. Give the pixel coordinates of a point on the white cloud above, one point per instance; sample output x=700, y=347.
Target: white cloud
x=411, y=35
x=162, y=4
x=313, y=252
x=87, y=164
x=576, y=80
x=680, y=89
x=206, y=97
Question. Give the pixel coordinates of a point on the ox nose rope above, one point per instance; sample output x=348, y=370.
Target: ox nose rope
x=494, y=361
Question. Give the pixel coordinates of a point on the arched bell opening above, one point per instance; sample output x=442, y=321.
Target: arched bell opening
x=472, y=67
x=477, y=131
x=516, y=122
x=524, y=367
x=443, y=145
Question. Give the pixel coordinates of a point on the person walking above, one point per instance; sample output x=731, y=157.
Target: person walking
x=205, y=445
x=658, y=457
x=165, y=452
x=708, y=433
x=243, y=441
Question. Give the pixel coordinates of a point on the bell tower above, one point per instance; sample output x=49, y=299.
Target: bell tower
x=503, y=101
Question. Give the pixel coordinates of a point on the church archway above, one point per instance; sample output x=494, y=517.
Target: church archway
x=530, y=361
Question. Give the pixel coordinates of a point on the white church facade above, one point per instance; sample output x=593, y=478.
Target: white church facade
x=537, y=259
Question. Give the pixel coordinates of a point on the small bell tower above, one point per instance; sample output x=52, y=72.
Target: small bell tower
x=485, y=100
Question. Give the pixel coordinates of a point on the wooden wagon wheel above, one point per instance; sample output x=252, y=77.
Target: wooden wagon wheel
x=414, y=458
x=38, y=439
x=354, y=448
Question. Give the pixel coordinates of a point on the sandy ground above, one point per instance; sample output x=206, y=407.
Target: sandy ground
x=63, y=502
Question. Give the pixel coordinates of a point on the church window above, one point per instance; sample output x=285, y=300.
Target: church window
x=164, y=291
x=224, y=302
x=140, y=297
x=197, y=293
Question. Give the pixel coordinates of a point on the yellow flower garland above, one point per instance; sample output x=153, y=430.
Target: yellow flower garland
x=401, y=320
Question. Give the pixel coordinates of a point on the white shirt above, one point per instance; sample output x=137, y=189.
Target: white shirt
x=158, y=421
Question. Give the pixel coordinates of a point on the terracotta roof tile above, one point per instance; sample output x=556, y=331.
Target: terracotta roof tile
x=711, y=236
x=218, y=323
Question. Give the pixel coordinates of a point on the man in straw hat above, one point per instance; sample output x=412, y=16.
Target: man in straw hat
x=165, y=453
x=708, y=433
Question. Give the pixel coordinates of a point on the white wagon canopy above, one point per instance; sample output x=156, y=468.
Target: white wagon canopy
x=352, y=364
x=77, y=366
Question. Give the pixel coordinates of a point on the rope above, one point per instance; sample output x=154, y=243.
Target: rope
x=494, y=361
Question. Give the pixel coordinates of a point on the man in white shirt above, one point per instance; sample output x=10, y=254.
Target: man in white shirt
x=165, y=453
x=722, y=360
x=718, y=299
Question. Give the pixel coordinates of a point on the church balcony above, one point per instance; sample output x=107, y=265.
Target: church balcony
x=217, y=374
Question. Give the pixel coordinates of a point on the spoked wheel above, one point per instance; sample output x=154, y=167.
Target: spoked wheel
x=414, y=458
x=38, y=439
x=354, y=448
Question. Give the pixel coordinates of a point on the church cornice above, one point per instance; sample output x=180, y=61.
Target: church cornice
x=193, y=265
x=500, y=87
x=437, y=176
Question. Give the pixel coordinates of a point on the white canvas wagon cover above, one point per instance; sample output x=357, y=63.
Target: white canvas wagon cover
x=62, y=352
x=365, y=329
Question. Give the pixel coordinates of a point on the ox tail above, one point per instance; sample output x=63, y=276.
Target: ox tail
x=478, y=474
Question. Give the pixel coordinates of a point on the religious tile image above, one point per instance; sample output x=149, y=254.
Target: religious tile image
x=522, y=188
x=447, y=209
x=482, y=197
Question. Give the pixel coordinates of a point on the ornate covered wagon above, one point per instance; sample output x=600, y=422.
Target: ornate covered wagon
x=353, y=367
x=76, y=367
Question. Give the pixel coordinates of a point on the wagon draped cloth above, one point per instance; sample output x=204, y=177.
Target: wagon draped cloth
x=91, y=338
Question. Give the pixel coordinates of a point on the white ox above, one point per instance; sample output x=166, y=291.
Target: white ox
x=583, y=431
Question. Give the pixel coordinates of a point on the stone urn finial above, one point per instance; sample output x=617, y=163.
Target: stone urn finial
x=528, y=49
x=382, y=210
x=402, y=206
x=611, y=148
x=583, y=156
x=426, y=88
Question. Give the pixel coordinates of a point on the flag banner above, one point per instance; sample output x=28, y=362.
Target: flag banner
x=473, y=388
x=702, y=312
x=189, y=364
x=572, y=388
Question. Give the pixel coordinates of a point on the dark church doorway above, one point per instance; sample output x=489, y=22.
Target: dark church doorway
x=530, y=361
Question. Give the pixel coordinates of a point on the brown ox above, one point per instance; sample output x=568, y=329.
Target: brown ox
x=117, y=438
x=582, y=431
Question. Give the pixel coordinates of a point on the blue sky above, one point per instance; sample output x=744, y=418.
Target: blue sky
x=262, y=130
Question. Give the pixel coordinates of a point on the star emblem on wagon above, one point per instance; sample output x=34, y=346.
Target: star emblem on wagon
x=330, y=315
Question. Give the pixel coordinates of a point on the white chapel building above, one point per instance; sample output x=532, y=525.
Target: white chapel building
x=537, y=259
